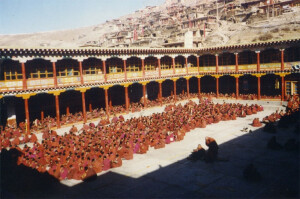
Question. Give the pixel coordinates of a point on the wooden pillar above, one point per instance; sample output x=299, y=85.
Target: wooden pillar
x=106, y=101
x=173, y=64
x=258, y=87
x=42, y=115
x=199, y=86
x=175, y=94
x=258, y=60
x=198, y=65
x=217, y=63
x=282, y=59
x=81, y=73
x=160, y=92
x=27, y=115
x=90, y=107
x=126, y=98
x=57, y=111
x=104, y=70
x=237, y=87
x=144, y=95
x=125, y=70
x=159, y=67
x=54, y=74
x=143, y=68
x=68, y=110
x=83, y=107
x=186, y=64
x=236, y=62
x=188, y=87
x=217, y=86
x=282, y=88
x=24, y=76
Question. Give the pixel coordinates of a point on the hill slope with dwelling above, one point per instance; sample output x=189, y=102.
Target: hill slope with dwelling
x=223, y=23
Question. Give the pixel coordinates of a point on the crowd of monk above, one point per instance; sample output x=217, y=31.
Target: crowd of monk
x=96, y=148
x=11, y=132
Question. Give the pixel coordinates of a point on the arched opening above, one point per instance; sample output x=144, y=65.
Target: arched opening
x=95, y=98
x=117, y=95
x=10, y=70
x=270, y=56
x=37, y=105
x=292, y=54
x=135, y=92
x=151, y=67
x=248, y=84
x=227, y=84
x=167, y=88
x=181, y=86
x=226, y=59
x=152, y=90
x=39, y=73
x=180, y=61
x=194, y=85
x=208, y=84
x=115, y=69
x=270, y=86
x=166, y=63
x=71, y=101
x=92, y=70
x=67, y=71
x=134, y=67
x=192, y=64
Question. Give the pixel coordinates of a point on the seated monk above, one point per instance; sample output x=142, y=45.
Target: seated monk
x=33, y=138
x=212, y=152
x=117, y=162
x=203, y=123
x=256, y=123
x=197, y=154
x=90, y=174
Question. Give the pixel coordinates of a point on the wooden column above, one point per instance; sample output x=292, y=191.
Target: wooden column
x=24, y=76
x=106, y=101
x=90, y=107
x=159, y=67
x=54, y=74
x=57, y=110
x=27, y=115
x=83, y=106
x=68, y=110
x=81, y=73
x=42, y=115
x=125, y=70
x=144, y=94
x=199, y=86
x=217, y=86
x=173, y=64
x=282, y=59
x=236, y=62
x=174, y=86
x=143, y=68
x=160, y=92
x=217, y=63
x=237, y=87
x=258, y=87
x=104, y=70
x=282, y=88
x=126, y=98
x=198, y=65
x=188, y=87
x=186, y=64
x=258, y=60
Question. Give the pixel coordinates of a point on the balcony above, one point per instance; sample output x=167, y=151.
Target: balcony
x=70, y=77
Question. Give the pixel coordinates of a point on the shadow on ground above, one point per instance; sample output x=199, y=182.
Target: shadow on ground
x=183, y=179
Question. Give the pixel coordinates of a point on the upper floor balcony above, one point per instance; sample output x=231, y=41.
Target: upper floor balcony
x=65, y=72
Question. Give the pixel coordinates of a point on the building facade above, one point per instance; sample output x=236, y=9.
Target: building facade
x=38, y=80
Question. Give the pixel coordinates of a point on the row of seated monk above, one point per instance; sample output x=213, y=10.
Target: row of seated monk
x=82, y=153
x=95, y=148
x=67, y=119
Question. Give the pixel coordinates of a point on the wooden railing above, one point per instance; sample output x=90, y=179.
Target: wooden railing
x=72, y=77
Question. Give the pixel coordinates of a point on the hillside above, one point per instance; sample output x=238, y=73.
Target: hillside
x=165, y=25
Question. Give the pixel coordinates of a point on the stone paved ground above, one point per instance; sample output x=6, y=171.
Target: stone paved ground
x=166, y=173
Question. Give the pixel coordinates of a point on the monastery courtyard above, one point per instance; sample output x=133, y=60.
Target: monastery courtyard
x=167, y=173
